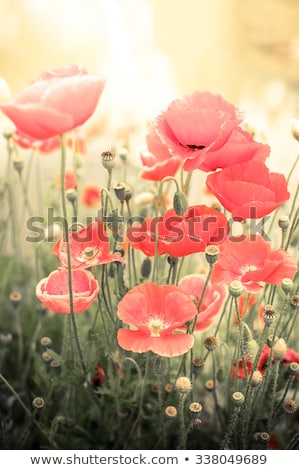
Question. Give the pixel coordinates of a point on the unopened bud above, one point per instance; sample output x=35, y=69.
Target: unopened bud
x=146, y=267
x=18, y=163
x=180, y=203
x=283, y=222
x=71, y=195
x=287, y=285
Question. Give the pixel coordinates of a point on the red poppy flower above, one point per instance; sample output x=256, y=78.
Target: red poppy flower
x=91, y=196
x=156, y=159
x=203, y=129
x=192, y=285
x=248, y=190
x=53, y=291
x=57, y=102
x=89, y=247
x=290, y=356
x=155, y=312
x=180, y=236
x=250, y=260
x=99, y=377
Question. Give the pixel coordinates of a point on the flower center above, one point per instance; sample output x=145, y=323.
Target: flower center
x=156, y=325
x=250, y=268
x=89, y=253
x=195, y=147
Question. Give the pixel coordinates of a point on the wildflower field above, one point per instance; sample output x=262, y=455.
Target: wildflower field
x=150, y=300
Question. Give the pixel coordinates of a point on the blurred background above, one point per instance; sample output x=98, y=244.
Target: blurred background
x=152, y=51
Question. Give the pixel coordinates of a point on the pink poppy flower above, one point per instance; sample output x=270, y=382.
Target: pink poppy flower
x=53, y=291
x=249, y=259
x=27, y=142
x=89, y=247
x=157, y=161
x=91, y=196
x=155, y=312
x=192, y=285
x=57, y=102
x=203, y=129
x=51, y=144
x=180, y=236
x=249, y=190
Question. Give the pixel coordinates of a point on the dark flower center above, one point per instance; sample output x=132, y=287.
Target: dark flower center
x=195, y=147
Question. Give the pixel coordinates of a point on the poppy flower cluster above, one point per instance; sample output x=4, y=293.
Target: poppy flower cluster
x=89, y=247
x=178, y=236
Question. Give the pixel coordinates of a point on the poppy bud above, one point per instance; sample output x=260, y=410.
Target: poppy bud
x=71, y=195
x=146, y=267
x=283, y=222
x=180, y=203
x=287, y=285
x=18, y=163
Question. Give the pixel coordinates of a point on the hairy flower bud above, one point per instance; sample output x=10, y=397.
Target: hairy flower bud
x=180, y=203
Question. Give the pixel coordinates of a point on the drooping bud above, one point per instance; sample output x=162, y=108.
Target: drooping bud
x=180, y=203
x=146, y=267
x=18, y=163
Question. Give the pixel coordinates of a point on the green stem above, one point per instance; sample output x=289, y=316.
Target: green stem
x=69, y=265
